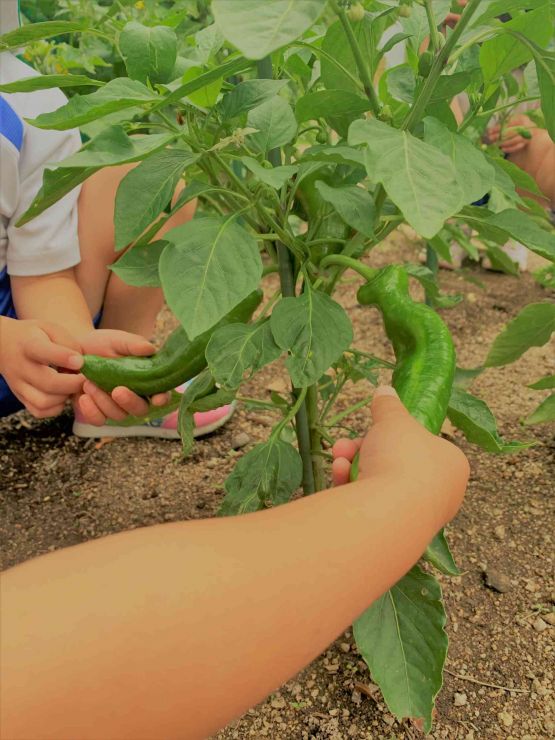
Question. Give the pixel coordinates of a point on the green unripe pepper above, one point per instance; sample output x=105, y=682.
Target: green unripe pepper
x=524, y=132
x=179, y=360
x=425, y=63
x=424, y=351
x=356, y=12
x=405, y=11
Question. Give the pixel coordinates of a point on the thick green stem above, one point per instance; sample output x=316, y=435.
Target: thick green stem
x=362, y=67
x=432, y=265
x=315, y=438
x=438, y=66
x=287, y=282
x=434, y=33
x=342, y=260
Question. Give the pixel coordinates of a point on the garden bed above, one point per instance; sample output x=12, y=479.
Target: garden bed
x=57, y=490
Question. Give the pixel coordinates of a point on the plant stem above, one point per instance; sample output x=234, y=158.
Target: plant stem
x=287, y=282
x=340, y=259
x=438, y=65
x=434, y=33
x=315, y=438
x=351, y=410
x=432, y=265
x=363, y=70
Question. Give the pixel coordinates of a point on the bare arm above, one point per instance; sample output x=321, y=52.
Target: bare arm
x=174, y=630
x=56, y=298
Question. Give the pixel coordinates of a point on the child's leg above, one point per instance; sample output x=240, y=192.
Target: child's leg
x=124, y=307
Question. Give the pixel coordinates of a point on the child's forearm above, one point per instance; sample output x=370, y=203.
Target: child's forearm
x=56, y=298
x=171, y=631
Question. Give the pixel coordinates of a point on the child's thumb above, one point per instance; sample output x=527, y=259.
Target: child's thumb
x=386, y=404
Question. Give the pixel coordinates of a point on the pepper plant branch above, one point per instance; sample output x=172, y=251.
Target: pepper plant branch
x=434, y=33
x=341, y=260
x=362, y=67
x=351, y=410
x=439, y=63
x=287, y=282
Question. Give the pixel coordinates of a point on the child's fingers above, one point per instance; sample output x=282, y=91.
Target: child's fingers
x=346, y=448
x=103, y=401
x=50, y=381
x=46, y=352
x=160, y=399
x=41, y=405
x=60, y=336
x=123, y=344
x=130, y=402
x=341, y=471
x=90, y=411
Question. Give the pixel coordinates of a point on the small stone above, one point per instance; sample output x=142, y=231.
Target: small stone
x=345, y=647
x=550, y=618
x=241, y=439
x=278, y=702
x=499, y=532
x=505, y=718
x=459, y=700
x=334, y=712
x=497, y=581
x=539, y=625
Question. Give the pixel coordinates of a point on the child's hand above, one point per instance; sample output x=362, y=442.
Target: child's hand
x=397, y=445
x=95, y=405
x=511, y=139
x=30, y=352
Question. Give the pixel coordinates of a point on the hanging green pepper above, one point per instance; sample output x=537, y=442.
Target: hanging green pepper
x=179, y=360
x=422, y=343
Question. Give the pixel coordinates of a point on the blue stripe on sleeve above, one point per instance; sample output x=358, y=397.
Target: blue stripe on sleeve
x=11, y=125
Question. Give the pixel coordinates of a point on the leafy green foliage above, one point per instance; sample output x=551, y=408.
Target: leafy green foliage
x=544, y=413
x=533, y=327
x=390, y=634
x=149, y=53
x=208, y=267
x=139, y=266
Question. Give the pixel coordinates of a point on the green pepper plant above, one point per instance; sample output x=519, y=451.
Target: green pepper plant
x=304, y=153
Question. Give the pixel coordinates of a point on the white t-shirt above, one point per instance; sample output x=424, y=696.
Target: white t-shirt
x=49, y=242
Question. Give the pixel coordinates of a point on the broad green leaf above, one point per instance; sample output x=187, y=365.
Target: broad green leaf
x=209, y=41
x=229, y=68
x=55, y=184
x=257, y=29
x=367, y=33
x=339, y=154
x=473, y=417
x=275, y=177
x=512, y=223
x=402, y=638
x=501, y=261
x=248, y=95
x=268, y=474
x=113, y=147
x=544, y=383
x=439, y=555
x=545, y=70
x=208, y=95
x=401, y=83
x=149, y=53
x=47, y=82
x=499, y=7
x=429, y=282
x=37, y=31
x=210, y=265
x=504, y=52
x=330, y=103
x=544, y=413
x=532, y=327
x=237, y=351
x=116, y=95
x=448, y=86
x=418, y=178
x=276, y=124
x=146, y=190
x=315, y=330
x=355, y=205
x=139, y=265
x=518, y=176
x=475, y=174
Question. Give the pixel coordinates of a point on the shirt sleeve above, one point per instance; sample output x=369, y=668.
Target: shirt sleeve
x=49, y=242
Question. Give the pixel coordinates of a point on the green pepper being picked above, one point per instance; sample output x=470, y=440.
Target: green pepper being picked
x=179, y=360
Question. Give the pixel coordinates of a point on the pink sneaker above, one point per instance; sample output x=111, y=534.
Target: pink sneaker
x=165, y=427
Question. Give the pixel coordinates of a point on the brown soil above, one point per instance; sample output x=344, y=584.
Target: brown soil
x=56, y=490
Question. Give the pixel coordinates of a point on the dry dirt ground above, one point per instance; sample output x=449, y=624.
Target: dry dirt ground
x=56, y=490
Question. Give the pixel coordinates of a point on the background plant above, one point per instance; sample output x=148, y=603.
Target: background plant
x=303, y=158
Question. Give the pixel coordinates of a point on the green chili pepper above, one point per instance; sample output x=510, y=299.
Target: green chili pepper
x=179, y=360
x=524, y=132
x=425, y=63
x=422, y=343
